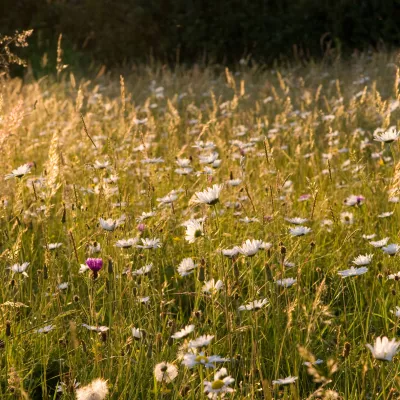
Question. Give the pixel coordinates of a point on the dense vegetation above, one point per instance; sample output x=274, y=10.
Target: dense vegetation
x=114, y=31
x=111, y=243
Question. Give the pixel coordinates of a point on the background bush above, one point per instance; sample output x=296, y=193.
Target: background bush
x=114, y=31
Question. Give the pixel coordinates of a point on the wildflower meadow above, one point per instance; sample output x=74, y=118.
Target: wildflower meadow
x=196, y=233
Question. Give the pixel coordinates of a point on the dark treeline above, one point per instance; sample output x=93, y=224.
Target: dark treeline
x=115, y=31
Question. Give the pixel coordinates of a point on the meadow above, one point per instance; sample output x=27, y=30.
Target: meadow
x=201, y=233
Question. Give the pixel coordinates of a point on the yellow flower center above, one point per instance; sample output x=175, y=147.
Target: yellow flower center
x=201, y=359
x=218, y=384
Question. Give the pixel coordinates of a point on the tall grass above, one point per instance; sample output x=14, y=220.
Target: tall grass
x=299, y=140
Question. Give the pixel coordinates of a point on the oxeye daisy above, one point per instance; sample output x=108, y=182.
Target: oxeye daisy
x=96, y=390
x=190, y=360
x=187, y=330
x=209, y=196
x=168, y=199
x=363, y=260
x=346, y=218
x=20, y=268
x=299, y=230
x=296, y=220
x=391, y=249
x=388, y=136
x=285, y=381
x=94, y=328
x=354, y=200
x=45, y=329
x=353, y=272
x=126, y=243
x=220, y=385
x=230, y=253
x=20, y=171
x=212, y=286
x=186, y=267
x=286, y=282
x=165, y=372
x=386, y=214
x=254, y=305
x=383, y=349
x=150, y=244
x=111, y=224
x=138, y=333
x=380, y=243
x=396, y=312
x=54, y=246
x=250, y=247
x=144, y=270
x=201, y=341
x=194, y=230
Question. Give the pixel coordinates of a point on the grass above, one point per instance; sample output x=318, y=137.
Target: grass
x=300, y=140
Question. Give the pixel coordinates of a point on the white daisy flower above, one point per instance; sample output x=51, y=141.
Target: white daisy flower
x=380, y=243
x=63, y=286
x=101, y=164
x=369, y=237
x=388, y=136
x=254, y=305
x=234, y=182
x=98, y=329
x=248, y=220
x=250, y=247
x=220, y=385
x=212, y=287
x=230, y=253
x=144, y=270
x=310, y=364
x=45, y=329
x=165, y=372
x=111, y=224
x=186, y=267
x=346, y=218
x=201, y=341
x=83, y=268
x=194, y=230
x=190, y=360
x=187, y=330
x=386, y=214
x=183, y=162
x=394, y=276
x=138, y=333
x=299, y=230
x=150, y=244
x=168, y=199
x=353, y=200
x=19, y=268
x=209, y=196
x=96, y=390
x=391, y=249
x=353, y=272
x=285, y=381
x=384, y=349
x=145, y=215
x=20, y=171
x=126, y=243
x=396, y=312
x=53, y=246
x=208, y=158
x=363, y=260
x=286, y=282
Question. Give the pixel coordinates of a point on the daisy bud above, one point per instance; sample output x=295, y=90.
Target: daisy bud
x=103, y=336
x=76, y=298
x=393, y=292
x=380, y=277
x=8, y=328
x=110, y=266
x=346, y=349
x=201, y=274
x=283, y=250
